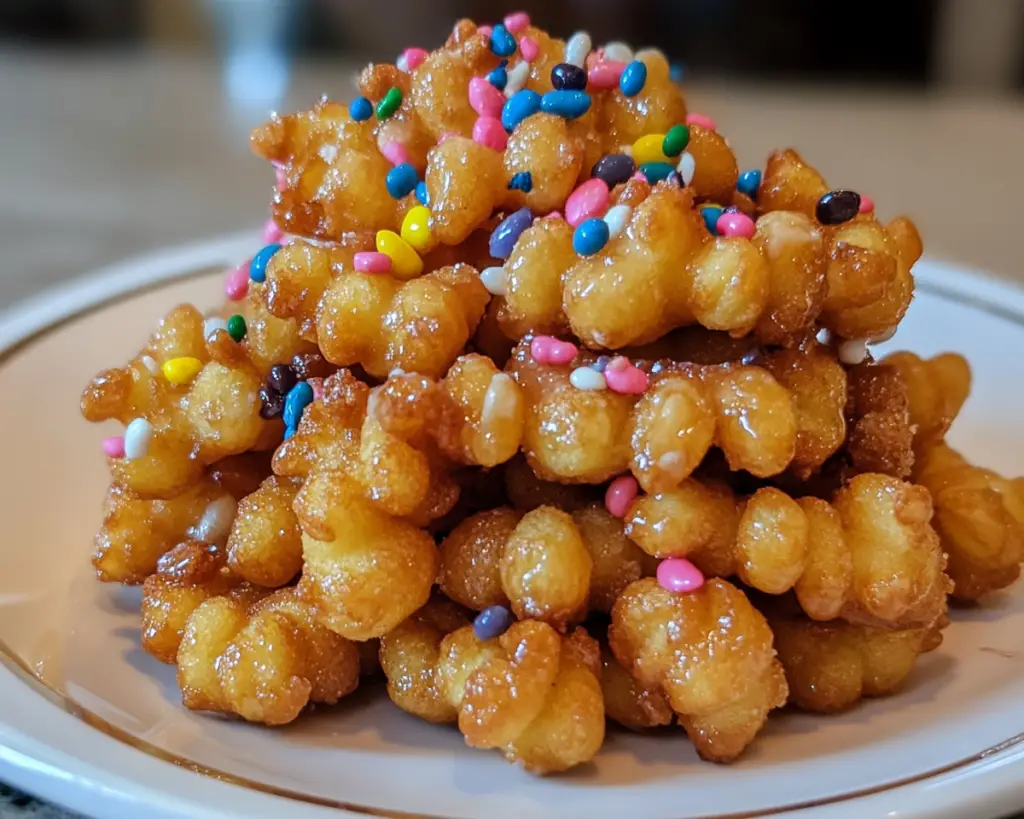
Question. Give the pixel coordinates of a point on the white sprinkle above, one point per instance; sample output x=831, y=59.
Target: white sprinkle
x=516, y=78
x=883, y=337
x=501, y=400
x=215, y=524
x=494, y=280
x=587, y=378
x=402, y=63
x=626, y=149
x=687, y=167
x=577, y=49
x=824, y=336
x=328, y=153
x=853, y=351
x=150, y=363
x=617, y=218
x=618, y=50
x=138, y=435
x=212, y=325
x=397, y=372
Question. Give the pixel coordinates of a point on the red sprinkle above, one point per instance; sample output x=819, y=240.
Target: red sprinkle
x=113, y=447
x=702, y=120
x=396, y=153
x=272, y=234
x=623, y=377
x=604, y=75
x=735, y=224
x=489, y=132
x=517, y=21
x=372, y=262
x=236, y=285
x=484, y=98
x=413, y=57
x=621, y=493
x=588, y=201
x=867, y=204
x=550, y=350
x=678, y=574
x=528, y=48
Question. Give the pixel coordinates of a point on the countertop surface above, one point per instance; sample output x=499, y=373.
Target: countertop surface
x=105, y=157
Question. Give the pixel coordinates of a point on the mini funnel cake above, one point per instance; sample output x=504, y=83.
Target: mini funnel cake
x=538, y=410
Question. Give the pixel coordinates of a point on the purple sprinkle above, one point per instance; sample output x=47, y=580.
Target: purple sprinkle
x=507, y=233
x=492, y=622
x=602, y=363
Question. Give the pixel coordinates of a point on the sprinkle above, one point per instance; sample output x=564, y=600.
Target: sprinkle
x=405, y=262
x=298, y=398
x=361, y=109
x=271, y=403
x=281, y=378
x=522, y=181
x=318, y=388
x=555, y=214
x=676, y=72
x=395, y=153
x=518, y=107
x=823, y=336
x=867, y=204
x=372, y=262
x=494, y=280
x=517, y=21
x=486, y=31
x=505, y=235
x=484, y=98
x=677, y=574
x=416, y=228
x=735, y=225
x=588, y=201
x=567, y=104
x=587, y=378
x=648, y=149
x=389, y=103
x=490, y=133
x=529, y=49
x=656, y=171
x=498, y=77
x=211, y=326
x=590, y=237
x=675, y=179
x=602, y=363
x=517, y=78
x=138, y=435
x=150, y=364
x=413, y=58
x=289, y=432
x=675, y=141
x=181, y=370
x=113, y=447
x=258, y=266
x=237, y=327
x=401, y=180
x=624, y=377
x=614, y=169
x=711, y=214
x=882, y=337
x=687, y=167
x=577, y=49
x=568, y=77
x=853, y=351
x=620, y=494
x=215, y=524
x=702, y=121
x=492, y=622
x=639, y=177
x=422, y=194
x=749, y=182
x=617, y=218
x=836, y=207
x=550, y=350
x=604, y=75
x=633, y=78
x=502, y=42
x=272, y=234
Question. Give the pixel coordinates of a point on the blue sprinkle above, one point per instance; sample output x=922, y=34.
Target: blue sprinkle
x=289, y=432
x=258, y=265
x=299, y=397
x=499, y=76
x=633, y=78
x=522, y=181
x=566, y=104
x=602, y=363
x=361, y=109
x=677, y=71
x=590, y=237
x=492, y=622
x=711, y=215
x=518, y=107
x=502, y=42
x=422, y=194
x=507, y=233
x=749, y=182
x=401, y=180
x=656, y=171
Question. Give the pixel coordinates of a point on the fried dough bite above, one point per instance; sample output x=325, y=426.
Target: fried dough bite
x=629, y=702
x=659, y=105
x=936, y=391
x=709, y=652
x=263, y=662
x=525, y=491
x=881, y=434
x=265, y=545
x=979, y=517
x=531, y=693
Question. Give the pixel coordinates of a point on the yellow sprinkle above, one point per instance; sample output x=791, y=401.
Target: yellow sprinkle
x=181, y=370
x=405, y=262
x=648, y=149
x=416, y=228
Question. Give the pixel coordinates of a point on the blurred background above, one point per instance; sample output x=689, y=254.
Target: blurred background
x=124, y=122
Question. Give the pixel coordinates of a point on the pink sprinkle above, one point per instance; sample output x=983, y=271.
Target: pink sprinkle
x=280, y=180
x=621, y=493
x=484, y=98
x=318, y=387
x=395, y=153
x=589, y=200
x=372, y=262
x=489, y=132
x=555, y=214
x=677, y=574
x=236, y=285
x=114, y=447
x=487, y=31
x=703, y=120
x=517, y=21
x=625, y=378
x=529, y=49
x=867, y=204
x=413, y=57
x=639, y=176
x=272, y=234
x=735, y=224
x=550, y=350
x=604, y=75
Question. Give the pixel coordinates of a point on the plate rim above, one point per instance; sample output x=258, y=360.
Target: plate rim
x=120, y=777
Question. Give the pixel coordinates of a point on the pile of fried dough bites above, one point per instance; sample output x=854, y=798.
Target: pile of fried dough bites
x=540, y=410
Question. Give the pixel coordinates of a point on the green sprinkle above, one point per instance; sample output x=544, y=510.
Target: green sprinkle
x=387, y=106
x=676, y=140
x=236, y=327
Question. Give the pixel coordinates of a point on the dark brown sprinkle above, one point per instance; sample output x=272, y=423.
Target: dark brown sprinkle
x=614, y=169
x=568, y=77
x=272, y=403
x=281, y=378
x=836, y=207
x=311, y=365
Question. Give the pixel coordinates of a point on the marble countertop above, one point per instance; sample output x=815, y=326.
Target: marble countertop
x=102, y=157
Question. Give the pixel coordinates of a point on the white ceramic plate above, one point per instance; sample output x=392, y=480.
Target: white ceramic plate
x=90, y=721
